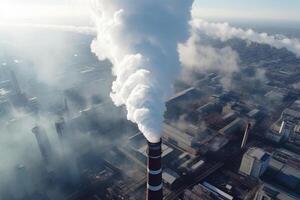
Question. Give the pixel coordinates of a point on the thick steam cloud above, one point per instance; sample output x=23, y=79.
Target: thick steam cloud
x=140, y=39
x=224, y=32
x=196, y=56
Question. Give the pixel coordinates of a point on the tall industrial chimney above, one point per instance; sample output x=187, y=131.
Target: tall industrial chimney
x=43, y=142
x=154, y=177
x=60, y=128
x=15, y=82
x=66, y=108
x=245, y=138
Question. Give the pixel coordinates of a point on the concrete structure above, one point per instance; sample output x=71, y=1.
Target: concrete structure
x=255, y=162
x=154, y=169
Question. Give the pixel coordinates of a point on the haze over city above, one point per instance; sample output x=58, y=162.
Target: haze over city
x=148, y=99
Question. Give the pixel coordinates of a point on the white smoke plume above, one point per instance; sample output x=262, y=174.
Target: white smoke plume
x=140, y=39
x=86, y=30
x=224, y=32
x=197, y=57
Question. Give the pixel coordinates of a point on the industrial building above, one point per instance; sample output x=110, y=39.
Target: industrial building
x=205, y=191
x=232, y=127
x=255, y=162
x=170, y=178
x=268, y=192
x=179, y=138
x=137, y=146
x=284, y=171
x=230, y=188
x=286, y=128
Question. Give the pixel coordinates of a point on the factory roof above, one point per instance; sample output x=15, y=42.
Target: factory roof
x=277, y=193
x=169, y=176
x=164, y=148
x=217, y=143
x=297, y=128
x=197, y=165
x=179, y=135
x=181, y=93
x=253, y=112
x=229, y=115
x=228, y=129
x=287, y=157
x=206, y=107
x=291, y=112
x=218, y=191
x=276, y=126
x=258, y=154
x=275, y=95
x=284, y=171
x=296, y=105
x=240, y=186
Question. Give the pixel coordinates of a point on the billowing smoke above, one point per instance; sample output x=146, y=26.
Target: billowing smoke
x=198, y=57
x=224, y=32
x=140, y=39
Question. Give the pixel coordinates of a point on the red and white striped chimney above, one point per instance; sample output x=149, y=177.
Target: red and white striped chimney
x=154, y=177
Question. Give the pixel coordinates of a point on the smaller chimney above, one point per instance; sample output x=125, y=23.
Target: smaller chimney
x=15, y=82
x=43, y=142
x=66, y=108
x=60, y=128
x=245, y=138
x=154, y=177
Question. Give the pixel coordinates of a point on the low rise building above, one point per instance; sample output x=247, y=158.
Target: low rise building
x=232, y=127
x=255, y=162
x=268, y=192
x=286, y=129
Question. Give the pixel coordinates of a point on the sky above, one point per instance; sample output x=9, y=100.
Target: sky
x=249, y=9
x=37, y=10
x=214, y=9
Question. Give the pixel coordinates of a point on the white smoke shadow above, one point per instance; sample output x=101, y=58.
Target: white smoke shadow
x=140, y=39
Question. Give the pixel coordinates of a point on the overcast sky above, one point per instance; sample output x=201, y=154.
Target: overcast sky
x=234, y=9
